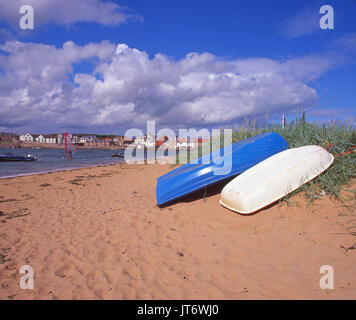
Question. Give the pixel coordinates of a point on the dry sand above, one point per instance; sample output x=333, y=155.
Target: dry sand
x=96, y=233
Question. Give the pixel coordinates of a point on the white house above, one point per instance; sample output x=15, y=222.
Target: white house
x=139, y=140
x=88, y=139
x=50, y=139
x=40, y=139
x=184, y=143
x=82, y=140
x=150, y=141
x=26, y=137
x=91, y=139
x=147, y=141
x=60, y=138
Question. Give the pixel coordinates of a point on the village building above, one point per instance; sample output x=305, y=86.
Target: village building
x=108, y=141
x=50, y=138
x=139, y=140
x=118, y=140
x=88, y=139
x=60, y=138
x=26, y=137
x=75, y=139
x=147, y=141
x=128, y=141
x=82, y=140
x=39, y=138
x=92, y=139
x=8, y=138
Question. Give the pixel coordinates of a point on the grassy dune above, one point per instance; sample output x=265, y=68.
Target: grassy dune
x=336, y=137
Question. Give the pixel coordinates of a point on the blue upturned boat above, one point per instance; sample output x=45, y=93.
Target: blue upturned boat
x=192, y=177
x=11, y=158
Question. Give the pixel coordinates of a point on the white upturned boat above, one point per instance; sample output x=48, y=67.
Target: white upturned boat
x=275, y=177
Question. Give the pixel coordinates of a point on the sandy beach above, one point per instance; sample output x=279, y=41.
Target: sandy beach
x=96, y=233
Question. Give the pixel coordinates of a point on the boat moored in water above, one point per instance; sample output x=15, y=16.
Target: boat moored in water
x=117, y=155
x=10, y=158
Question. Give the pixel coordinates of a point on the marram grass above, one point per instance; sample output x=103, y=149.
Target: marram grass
x=335, y=137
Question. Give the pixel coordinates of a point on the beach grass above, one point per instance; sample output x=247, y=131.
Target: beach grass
x=334, y=136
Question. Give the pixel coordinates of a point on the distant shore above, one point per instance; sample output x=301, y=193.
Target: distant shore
x=31, y=145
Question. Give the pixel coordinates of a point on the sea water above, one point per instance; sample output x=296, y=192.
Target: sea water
x=51, y=160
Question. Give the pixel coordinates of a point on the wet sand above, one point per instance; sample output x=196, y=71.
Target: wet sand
x=96, y=233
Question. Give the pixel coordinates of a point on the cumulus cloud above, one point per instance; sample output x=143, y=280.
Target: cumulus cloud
x=39, y=87
x=63, y=12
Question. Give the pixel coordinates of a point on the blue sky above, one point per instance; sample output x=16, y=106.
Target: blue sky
x=250, y=57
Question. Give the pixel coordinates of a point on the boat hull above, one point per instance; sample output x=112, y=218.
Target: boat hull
x=274, y=178
x=195, y=176
x=17, y=159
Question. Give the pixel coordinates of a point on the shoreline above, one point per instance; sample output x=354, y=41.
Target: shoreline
x=59, y=170
x=138, y=162
x=55, y=146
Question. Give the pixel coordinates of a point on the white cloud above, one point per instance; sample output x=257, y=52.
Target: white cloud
x=64, y=12
x=128, y=87
x=305, y=21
